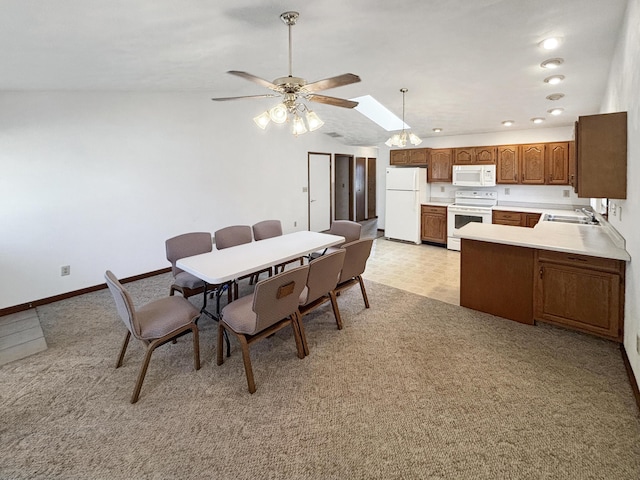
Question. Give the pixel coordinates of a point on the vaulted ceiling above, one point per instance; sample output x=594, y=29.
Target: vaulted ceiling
x=467, y=64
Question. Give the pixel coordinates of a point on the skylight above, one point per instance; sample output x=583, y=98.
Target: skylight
x=378, y=113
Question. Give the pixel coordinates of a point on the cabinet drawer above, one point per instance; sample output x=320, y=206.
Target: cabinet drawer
x=507, y=218
x=434, y=210
x=574, y=259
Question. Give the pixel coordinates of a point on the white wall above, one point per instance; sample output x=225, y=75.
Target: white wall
x=99, y=180
x=623, y=95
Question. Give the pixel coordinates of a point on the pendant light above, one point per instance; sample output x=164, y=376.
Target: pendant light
x=400, y=139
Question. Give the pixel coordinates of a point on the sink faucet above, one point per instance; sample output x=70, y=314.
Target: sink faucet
x=589, y=213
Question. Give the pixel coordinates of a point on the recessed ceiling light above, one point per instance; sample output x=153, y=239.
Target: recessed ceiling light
x=555, y=96
x=437, y=130
x=508, y=123
x=552, y=63
x=556, y=111
x=554, y=79
x=537, y=119
x=550, y=43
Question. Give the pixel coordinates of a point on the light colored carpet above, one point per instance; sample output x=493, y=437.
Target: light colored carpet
x=411, y=388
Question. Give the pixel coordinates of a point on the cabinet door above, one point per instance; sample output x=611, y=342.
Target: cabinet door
x=418, y=156
x=463, y=156
x=485, y=155
x=434, y=224
x=532, y=164
x=440, y=165
x=601, y=150
x=557, y=163
x=398, y=157
x=581, y=298
x=507, y=161
x=530, y=220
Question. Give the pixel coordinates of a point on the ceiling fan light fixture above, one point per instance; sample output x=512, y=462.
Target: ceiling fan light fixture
x=262, y=120
x=313, y=120
x=278, y=114
x=297, y=126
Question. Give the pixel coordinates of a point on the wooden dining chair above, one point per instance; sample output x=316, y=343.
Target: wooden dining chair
x=272, y=306
x=345, y=228
x=154, y=324
x=355, y=261
x=269, y=229
x=321, y=283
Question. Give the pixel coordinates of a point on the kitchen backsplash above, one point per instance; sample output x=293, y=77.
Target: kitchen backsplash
x=552, y=195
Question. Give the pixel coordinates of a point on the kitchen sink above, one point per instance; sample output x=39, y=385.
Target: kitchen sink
x=578, y=220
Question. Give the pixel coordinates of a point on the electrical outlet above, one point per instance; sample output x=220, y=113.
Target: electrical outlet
x=565, y=193
x=65, y=270
x=442, y=189
x=295, y=224
x=507, y=191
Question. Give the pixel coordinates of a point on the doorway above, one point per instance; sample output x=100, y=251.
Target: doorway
x=319, y=192
x=343, y=191
x=371, y=188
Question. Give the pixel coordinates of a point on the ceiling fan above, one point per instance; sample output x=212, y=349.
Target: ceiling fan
x=292, y=89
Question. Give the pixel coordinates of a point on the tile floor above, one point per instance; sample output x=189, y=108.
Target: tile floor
x=425, y=270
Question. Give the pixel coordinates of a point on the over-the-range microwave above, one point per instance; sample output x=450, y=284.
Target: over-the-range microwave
x=474, y=175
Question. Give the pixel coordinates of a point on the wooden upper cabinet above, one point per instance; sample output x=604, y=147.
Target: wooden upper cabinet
x=440, y=162
x=398, y=157
x=412, y=156
x=507, y=164
x=475, y=155
x=557, y=163
x=533, y=162
x=601, y=151
x=419, y=156
x=485, y=155
x=463, y=156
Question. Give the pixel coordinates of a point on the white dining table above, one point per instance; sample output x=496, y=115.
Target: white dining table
x=221, y=266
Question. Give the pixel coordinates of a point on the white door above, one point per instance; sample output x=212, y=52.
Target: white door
x=319, y=191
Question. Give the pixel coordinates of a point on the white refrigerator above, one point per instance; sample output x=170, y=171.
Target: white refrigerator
x=406, y=190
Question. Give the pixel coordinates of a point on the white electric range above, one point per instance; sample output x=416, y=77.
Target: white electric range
x=469, y=206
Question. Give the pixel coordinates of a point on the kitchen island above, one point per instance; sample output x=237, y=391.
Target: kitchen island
x=561, y=273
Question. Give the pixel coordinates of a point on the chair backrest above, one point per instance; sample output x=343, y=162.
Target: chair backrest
x=347, y=229
x=186, y=245
x=323, y=276
x=124, y=304
x=232, y=236
x=277, y=297
x=355, y=260
x=267, y=229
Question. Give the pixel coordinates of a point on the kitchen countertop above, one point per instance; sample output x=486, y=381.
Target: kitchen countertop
x=438, y=203
x=594, y=240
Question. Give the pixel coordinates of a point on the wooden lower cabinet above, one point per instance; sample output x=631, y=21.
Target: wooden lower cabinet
x=516, y=219
x=497, y=279
x=434, y=224
x=578, y=292
x=581, y=292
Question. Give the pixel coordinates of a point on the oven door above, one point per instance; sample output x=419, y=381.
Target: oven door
x=458, y=217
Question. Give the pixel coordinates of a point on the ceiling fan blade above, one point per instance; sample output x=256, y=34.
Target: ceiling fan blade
x=333, y=82
x=224, y=99
x=336, y=102
x=254, y=79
